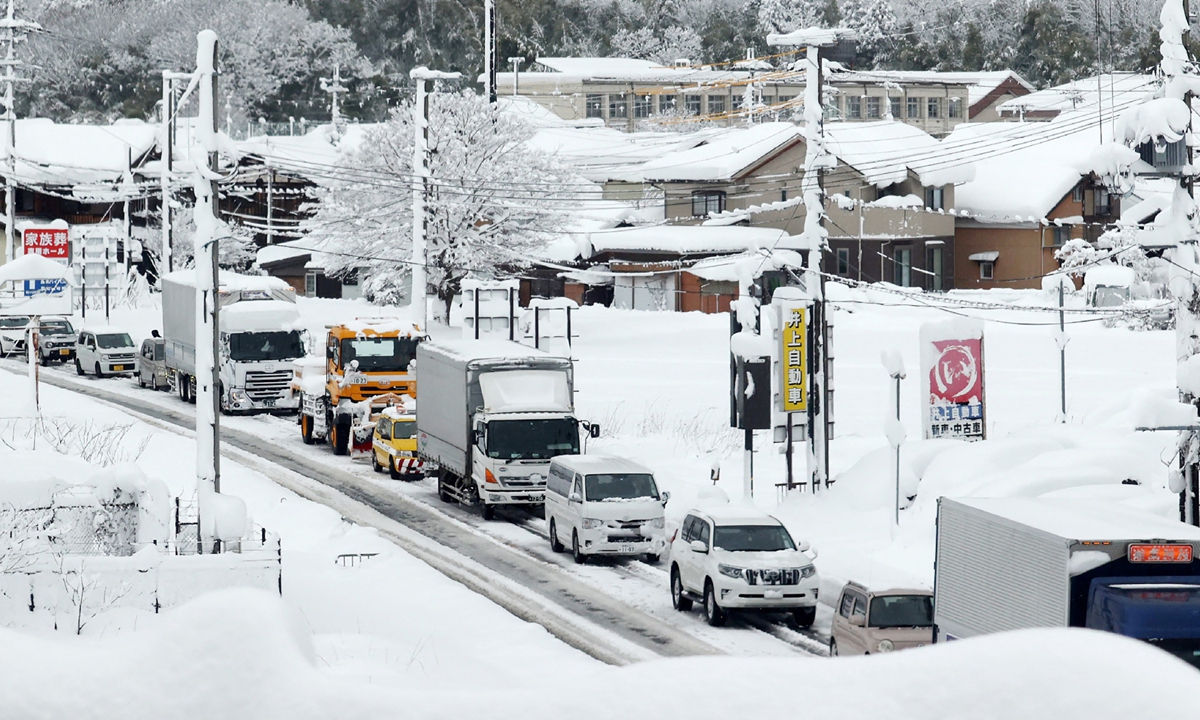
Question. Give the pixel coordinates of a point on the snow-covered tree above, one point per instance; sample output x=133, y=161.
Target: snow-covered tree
x=667, y=46
x=495, y=200
x=875, y=22
x=779, y=16
x=1076, y=256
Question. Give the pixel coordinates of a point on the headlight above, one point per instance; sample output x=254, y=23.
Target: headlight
x=730, y=571
x=591, y=523
x=238, y=395
x=807, y=571
x=659, y=523
x=885, y=646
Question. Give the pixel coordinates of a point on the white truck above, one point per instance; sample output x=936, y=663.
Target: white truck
x=1012, y=563
x=493, y=415
x=260, y=336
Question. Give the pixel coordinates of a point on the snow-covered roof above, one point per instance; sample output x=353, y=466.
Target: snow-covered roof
x=724, y=156
x=619, y=69
x=979, y=84
x=602, y=464
x=684, y=239
x=885, y=151
x=1079, y=519
x=1110, y=89
x=88, y=158
x=231, y=281
x=603, y=153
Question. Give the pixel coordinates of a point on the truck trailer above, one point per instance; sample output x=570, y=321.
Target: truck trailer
x=260, y=336
x=1013, y=563
x=494, y=414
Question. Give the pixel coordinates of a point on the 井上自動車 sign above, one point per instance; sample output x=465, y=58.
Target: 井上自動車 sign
x=952, y=361
x=794, y=359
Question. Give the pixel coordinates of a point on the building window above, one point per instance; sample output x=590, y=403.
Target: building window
x=873, y=108
x=739, y=101
x=786, y=99
x=1100, y=201
x=666, y=103
x=954, y=108
x=1061, y=236
x=716, y=104
x=310, y=284
x=618, y=107
x=642, y=105
x=933, y=108
x=934, y=198
x=1077, y=193
x=914, y=108
x=768, y=100
x=843, y=261
x=707, y=202
x=987, y=269
x=692, y=104
x=595, y=106
x=903, y=266
x=895, y=107
x=934, y=263
x=853, y=107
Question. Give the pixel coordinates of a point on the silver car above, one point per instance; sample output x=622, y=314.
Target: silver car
x=151, y=364
x=56, y=341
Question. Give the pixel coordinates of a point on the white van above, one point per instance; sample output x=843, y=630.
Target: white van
x=604, y=505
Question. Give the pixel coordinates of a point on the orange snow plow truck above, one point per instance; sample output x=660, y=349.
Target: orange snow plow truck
x=368, y=366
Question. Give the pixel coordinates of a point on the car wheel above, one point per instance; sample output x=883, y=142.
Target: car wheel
x=306, y=429
x=375, y=462
x=804, y=617
x=555, y=544
x=393, y=470
x=679, y=601
x=652, y=558
x=833, y=651
x=44, y=360
x=712, y=611
x=99, y=372
x=141, y=382
x=78, y=367
x=154, y=382
x=578, y=556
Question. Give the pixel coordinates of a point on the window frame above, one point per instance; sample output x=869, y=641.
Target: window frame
x=874, y=107
x=853, y=107
x=843, y=261
x=593, y=105
x=903, y=269
x=714, y=105
x=707, y=196
x=914, y=103
x=933, y=108
x=954, y=108
x=935, y=197
x=667, y=103
x=894, y=106
x=987, y=270
x=618, y=107
x=693, y=104
x=643, y=106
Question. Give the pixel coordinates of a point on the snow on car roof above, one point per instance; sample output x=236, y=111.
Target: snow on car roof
x=104, y=330
x=1077, y=519
x=591, y=464
x=737, y=515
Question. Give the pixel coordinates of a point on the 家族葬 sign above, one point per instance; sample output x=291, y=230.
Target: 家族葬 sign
x=794, y=359
x=952, y=360
x=51, y=242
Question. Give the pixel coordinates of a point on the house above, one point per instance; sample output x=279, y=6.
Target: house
x=1105, y=94
x=302, y=265
x=1032, y=192
x=629, y=94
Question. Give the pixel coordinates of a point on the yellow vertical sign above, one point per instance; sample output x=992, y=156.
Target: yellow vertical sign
x=794, y=359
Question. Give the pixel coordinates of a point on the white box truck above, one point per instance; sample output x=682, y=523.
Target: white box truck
x=1012, y=563
x=492, y=415
x=260, y=336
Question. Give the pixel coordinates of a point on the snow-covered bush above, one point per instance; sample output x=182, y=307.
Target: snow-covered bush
x=495, y=200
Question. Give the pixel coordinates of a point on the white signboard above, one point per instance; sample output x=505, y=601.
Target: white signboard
x=952, y=364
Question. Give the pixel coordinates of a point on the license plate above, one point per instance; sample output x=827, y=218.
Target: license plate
x=269, y=403
x=118, y=368
x=772, y=594
x=64, y=352
x=627, y=549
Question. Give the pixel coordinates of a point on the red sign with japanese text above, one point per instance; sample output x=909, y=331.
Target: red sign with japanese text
x=956, y=375
x=48, y=242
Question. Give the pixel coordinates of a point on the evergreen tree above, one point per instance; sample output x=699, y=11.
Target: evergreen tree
x=875, y=23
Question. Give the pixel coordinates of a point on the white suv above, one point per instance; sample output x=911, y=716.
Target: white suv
x=741, y=559
x=104, y=351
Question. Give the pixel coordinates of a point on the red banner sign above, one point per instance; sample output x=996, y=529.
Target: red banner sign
x=957, y=373
x=48, y=242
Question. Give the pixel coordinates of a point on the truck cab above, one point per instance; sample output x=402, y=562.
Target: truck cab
x=512, y=452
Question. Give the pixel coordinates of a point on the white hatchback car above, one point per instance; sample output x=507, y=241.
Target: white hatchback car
x=740, y=559
x=105, y=350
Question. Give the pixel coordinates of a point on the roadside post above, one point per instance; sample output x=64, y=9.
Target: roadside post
x=894, y=364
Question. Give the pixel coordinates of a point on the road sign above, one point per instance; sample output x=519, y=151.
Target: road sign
x=794, y=359
x=51, y=242
x=54, y=286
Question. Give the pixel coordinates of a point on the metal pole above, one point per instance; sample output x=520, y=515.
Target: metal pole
x=516, y=63
x=898, y=378
x=489, y=48
x=215, y=306
x=106, y=261
x=127, y=222
x=420, y=197
x=791, y=477
x=167, y=164
x=1062, y=352
x=10, y=114
x=270, y=205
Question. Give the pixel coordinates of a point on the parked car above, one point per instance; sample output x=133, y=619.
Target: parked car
x=605, y=505
x=881, y=621
x=737, y=558
x=394, y=445
x=151, y=364
x=56, y=340
x=12, y=335
x=104, y=350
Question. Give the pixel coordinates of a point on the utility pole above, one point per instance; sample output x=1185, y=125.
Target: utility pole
x=167, y=154
x=1062, y=349
x=208, y=428
x=516, y=63
x=126, y=223
x=14, y=31
x=424, y=79
x=270, y=205
x=334, y=87
x=489, y=49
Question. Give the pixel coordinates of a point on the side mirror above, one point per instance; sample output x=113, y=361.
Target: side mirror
x=698, y=546
x=803, y=546
x=575, y=498
x=665, y=497
x=328, y=352
x=858, y=620
x=593, y=430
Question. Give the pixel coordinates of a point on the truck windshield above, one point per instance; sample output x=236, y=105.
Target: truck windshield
x=13, y=322
x=532, y=439
x=275, y=345
x=752, y=538
x=620, y=487
x=902, y=611
x=114, y=340
x=379, y=354
x=56, y=327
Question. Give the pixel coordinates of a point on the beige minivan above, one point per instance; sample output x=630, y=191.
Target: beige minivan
x=869, y=621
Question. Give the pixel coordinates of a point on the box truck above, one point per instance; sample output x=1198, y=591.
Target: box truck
x=493, y=415
x=260, y=336
x=1011, y=563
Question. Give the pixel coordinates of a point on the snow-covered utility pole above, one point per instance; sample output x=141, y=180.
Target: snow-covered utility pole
x=15, y=31
x=126, y=225
x=516, y=63
x=489, y=48
x=817, y=159
x=334, y=87
x=894, y=364
x=167, y=154
x=424, y=79
x=208, y=430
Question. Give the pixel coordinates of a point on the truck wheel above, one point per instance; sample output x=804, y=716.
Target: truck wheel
x=804, y=617
x=712, y=611
x=78, y=367
x=578, y=556
x=339, y=436
x=306, y=429
x=489, y=511
x=681, y=602
x=555, y=544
